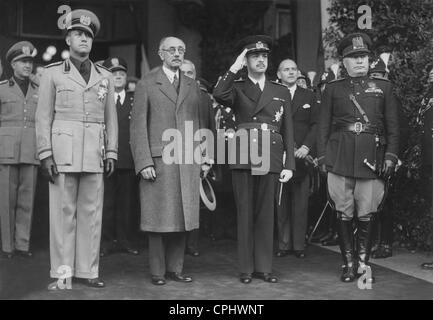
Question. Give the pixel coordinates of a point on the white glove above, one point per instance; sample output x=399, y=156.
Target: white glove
x=286, y=175
x=240, y=62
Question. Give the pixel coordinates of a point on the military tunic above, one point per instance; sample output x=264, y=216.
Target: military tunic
x=76, y=123
x=254, y=187
x=18, y=163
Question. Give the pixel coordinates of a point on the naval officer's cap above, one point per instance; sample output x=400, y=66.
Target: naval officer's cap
x=116, y=64
x=256, y=43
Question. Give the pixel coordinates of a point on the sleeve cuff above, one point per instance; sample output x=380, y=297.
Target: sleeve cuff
x=45, y=154
x=111, y=155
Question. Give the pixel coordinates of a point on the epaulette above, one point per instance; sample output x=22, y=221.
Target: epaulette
x=34, y=84
x=276, y=82
x=4, y=82
x=54, y=64
x=97, y=65
x=337, y=80
x=379, y=78
x=240, y=80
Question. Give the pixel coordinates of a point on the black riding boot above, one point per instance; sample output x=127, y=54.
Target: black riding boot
x=365, y=238
x=346, y=246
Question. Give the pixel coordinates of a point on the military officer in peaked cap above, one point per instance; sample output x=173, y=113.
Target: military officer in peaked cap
x=263, y=113
x=76, y=127
x=18, y=158
x=121, y=189
x=358, y=144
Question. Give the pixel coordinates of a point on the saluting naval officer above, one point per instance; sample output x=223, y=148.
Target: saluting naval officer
x=121, y=189
x=76, y=127
x=263, y=113
x=358, y=143
x=18, y=158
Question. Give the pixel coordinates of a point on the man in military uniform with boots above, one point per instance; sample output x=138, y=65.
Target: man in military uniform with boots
x=18, y=159
x=358, y=147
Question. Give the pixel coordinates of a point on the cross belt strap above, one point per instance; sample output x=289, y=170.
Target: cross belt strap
x=358, y=106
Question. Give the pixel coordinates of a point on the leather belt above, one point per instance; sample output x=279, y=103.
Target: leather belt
x=359, y=127
x=258, y=126
x=78, y=117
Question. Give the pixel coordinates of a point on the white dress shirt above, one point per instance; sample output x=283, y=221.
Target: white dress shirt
x=122, y=95
x=261, y=82
x=170, y=74
x=292, y=90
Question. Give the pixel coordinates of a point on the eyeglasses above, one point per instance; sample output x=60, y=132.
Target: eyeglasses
x=172, y=50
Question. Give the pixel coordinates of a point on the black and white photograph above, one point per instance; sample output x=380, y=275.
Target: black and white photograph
x=216, y=154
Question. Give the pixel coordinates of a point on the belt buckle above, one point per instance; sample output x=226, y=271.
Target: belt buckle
x=264, y=126
x=358, y=127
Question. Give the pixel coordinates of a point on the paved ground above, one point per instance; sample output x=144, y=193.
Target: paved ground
x=215, y=275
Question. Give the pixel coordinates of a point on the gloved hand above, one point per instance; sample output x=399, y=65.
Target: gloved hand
x=49, y=168
x=285, y=175
x=388, y=169
x=240, y=62
x=109, y=166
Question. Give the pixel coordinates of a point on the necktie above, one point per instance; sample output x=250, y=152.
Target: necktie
x=176, y=83
x=118, y=103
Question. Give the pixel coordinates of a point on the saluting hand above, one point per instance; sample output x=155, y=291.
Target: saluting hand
x=148, y=173
x=49, y=168
x=286, y=175
x=240, y=62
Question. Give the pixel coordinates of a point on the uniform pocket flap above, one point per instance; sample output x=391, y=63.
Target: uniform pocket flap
x=59, y=131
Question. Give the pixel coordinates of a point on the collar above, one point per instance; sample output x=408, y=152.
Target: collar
x=261, y=82
x=122, y=95
x=293, y=89
x=169, y=73
x=77, y=63
x=20, y=81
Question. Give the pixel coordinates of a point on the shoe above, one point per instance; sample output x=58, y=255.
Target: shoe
x=192, y=252
x=427, y=266
x=178, y=277
x=158, y=281
x=130, y=250
x=267, y=277
x=245, y=278
x=7, y=255
x=300, y=254
x=24, y=254
x=93, y=283
x=282, y=253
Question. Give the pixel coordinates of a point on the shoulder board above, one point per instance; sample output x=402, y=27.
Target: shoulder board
x=54, y=64
x=4, y=82
x=336, y=80
x=379, y=78
x=102, y=67
x=280, y=84
x=240, y=80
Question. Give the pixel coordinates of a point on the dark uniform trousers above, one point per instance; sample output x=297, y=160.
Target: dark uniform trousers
x=119, y=196
x=18, y=185
x=166, y=252
x=293, y=214
x=254, y=196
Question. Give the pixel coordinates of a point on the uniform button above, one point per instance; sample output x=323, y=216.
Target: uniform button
x=87, y=113
x=273, y=142
x=25, y=110
x=254, y=140
x=87, y=125
x=254, y=118
x=25, y=102
x=255, y=129
x=357, y=93
x=25, y=127
x=86, y=101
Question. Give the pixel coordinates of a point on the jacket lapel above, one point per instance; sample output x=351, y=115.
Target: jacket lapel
x=265, y=98
x=75, y=75
x=95, y=77
x=250, y=90
x=185, y=85
x=165, y=86
x=296, y=100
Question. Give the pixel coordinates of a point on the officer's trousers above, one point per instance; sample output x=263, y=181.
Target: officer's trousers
x=76, y=201
x=351, y=195
x=17, y=195
x=254, y=196
x=293, y=214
